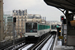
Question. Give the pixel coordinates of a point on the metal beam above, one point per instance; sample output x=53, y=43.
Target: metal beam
x=1, y=21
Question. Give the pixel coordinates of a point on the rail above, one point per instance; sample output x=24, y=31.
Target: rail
x=40, y=44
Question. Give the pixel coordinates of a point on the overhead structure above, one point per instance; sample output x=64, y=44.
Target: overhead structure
x=64, y=4
x=68, y=8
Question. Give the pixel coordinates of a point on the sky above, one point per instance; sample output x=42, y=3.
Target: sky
x=33, y=7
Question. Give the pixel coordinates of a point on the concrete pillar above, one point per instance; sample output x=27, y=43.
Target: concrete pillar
x=1, y=20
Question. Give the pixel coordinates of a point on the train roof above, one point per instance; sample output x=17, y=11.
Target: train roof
x=38, y=23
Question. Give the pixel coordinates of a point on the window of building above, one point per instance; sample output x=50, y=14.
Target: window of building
x=16, y=12
x=23, y=13
x=9, y=20
x=19, y=12
x=21, y=19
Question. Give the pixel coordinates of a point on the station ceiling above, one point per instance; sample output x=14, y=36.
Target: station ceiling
x=63, y=4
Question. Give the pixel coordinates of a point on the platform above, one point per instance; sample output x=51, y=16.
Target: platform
x=58, y=45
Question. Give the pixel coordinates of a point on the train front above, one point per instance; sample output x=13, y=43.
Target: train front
x=53, y=29
x=30, y=29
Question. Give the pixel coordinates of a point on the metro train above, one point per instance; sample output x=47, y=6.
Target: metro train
x=35, y=29
x=53, y=28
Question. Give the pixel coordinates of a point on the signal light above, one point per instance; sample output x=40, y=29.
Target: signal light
x=62, y=18
x=14, y=19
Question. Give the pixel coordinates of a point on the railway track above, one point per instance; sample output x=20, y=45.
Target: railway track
x=49, y=44
x=41, y=44
x=26, y=47
x=7, y=45
x=30, y=46
x=44, y=44
x=15, y=46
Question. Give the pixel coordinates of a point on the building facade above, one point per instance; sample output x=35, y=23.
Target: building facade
x=21, y=16
x=5, y=21
x=9, y=24
x=34, y=18
x=8, y=27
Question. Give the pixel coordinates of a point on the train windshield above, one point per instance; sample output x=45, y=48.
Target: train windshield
x=53, y=26
x=31, y=27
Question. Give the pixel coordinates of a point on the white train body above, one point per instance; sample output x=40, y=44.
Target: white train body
x=33, y=29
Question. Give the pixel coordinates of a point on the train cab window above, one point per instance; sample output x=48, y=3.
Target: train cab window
x=28, y=26
x=35, y=26
x=31, y=27
x=53, y=26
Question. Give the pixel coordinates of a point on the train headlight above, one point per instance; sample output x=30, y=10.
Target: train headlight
x=60, y=31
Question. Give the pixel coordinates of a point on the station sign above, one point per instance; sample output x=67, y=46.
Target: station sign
x=60, y=37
